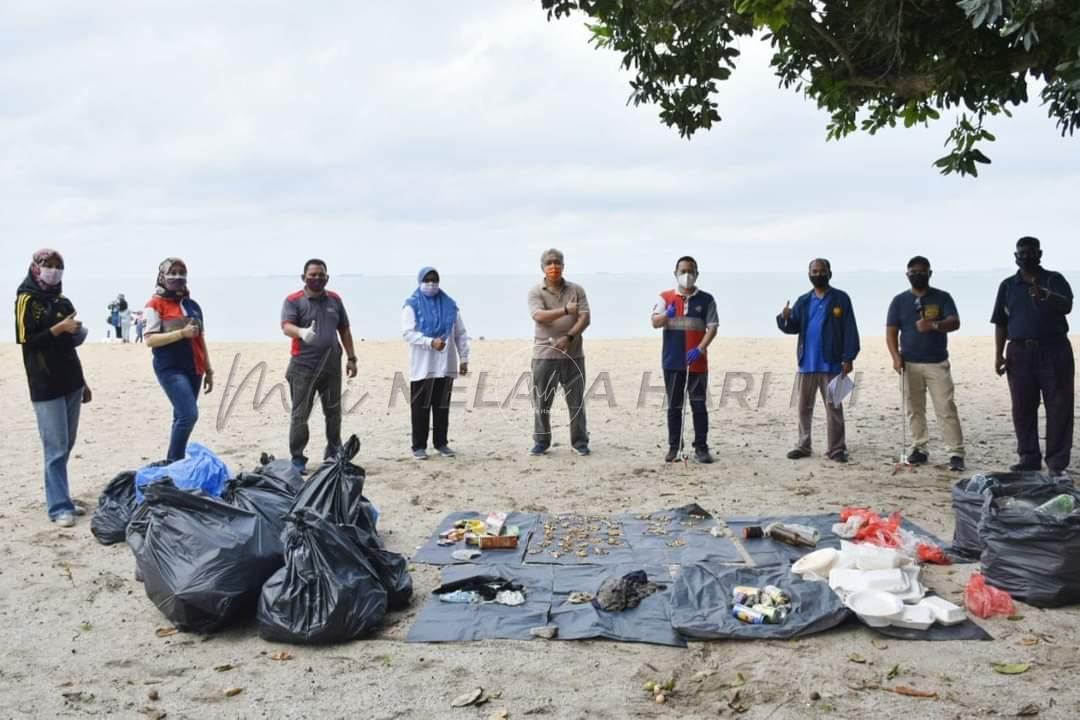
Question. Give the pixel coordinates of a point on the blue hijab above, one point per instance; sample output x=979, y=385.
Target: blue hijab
x=435, y=316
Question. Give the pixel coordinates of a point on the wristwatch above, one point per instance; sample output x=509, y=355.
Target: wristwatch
x=352, y=359
x=570, y=336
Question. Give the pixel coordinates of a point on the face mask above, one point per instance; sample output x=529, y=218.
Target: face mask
x=51, y=276
x=175, y=282
x=553, y=273
x=686, y=280
x=919, y=281
x=1028, y=263
x=819, y=281
x=315, y=284
x=429, y=289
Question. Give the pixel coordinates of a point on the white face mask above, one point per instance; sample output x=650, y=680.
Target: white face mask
x=429, y=289
x=686, y=280
x=51, y=276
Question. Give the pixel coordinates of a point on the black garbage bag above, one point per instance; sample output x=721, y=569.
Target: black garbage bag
x=336, y=490
x=701, y=602
x=327, y=592
x=392, y=567
x=969, y=495
x=1031, y=554
x=115, y=506
x=201, y=560
x=281, y=470
x=269, y=497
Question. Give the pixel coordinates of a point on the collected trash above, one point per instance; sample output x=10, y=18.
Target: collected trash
x=759, y=606
x=328, y=591
x=267, y=496
x=986, y=601
x=336, y=490
x=624, y=593
x=1032, y=551
x=863, y=525
x=201, y=560
x=969, y=496
x=200, y=469
x=115, y=506
x=791, y=534
x=392, y=568
x=482, y=589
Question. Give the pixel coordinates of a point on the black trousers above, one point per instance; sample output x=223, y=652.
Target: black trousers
x=675, y=384
x=430, y=400
x=1046, y=369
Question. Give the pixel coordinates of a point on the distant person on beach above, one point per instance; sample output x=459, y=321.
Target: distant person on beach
x=828, y=344
x=140, y=325
x=560, y=314
x=48, y=331
x=125, y=318
x=315, y=319
x=438, y=352
x=174, y=332
x=916, y=334
x=1030, y=314
x=689, y=318
x=114, y=318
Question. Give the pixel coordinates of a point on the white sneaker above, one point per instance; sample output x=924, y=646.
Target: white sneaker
x=80, y=509
x=65, y=520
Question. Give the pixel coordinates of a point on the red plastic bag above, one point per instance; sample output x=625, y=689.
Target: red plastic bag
x=985, y=600
x=875, y=530
x=929, y=553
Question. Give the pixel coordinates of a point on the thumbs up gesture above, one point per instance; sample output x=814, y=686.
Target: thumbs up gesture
x=786, y=312
x=308, y=334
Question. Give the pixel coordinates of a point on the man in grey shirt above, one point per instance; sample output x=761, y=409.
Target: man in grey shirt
x=314, y=318
x=560, y=311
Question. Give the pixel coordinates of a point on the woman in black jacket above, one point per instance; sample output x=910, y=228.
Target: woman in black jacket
x=46, y=328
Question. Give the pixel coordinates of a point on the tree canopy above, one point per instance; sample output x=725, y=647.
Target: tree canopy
x=870, y=64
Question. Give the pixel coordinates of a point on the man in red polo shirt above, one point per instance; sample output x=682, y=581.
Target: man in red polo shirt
x=314, y=318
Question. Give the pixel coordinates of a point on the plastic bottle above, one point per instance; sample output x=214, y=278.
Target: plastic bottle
x=1058, y=506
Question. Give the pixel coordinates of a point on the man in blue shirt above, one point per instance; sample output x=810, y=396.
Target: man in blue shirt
x=828, y=344
x=916, y=333
x=1030, y=313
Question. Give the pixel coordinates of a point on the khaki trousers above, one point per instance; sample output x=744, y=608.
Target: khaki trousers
x=937, y=379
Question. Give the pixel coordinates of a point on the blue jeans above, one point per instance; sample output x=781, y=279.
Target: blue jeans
x=58, y=424
x=182, y=389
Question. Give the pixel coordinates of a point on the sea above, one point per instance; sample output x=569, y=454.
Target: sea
x=248, y=309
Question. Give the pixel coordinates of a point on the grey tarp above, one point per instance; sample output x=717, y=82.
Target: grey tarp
x=434, y=554
x=701, y=604
x=1032, y=555
x=440, y=621
x=968, y=496
x=765, y=551
x=649, y=622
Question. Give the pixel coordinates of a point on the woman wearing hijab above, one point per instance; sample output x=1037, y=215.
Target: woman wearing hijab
x=174, y=331
x=46, y=327
x=439, y=351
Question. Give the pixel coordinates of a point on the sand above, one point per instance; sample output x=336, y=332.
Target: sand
x=78, y=633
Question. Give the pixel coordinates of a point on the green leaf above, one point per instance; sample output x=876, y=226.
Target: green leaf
x=1011, y=668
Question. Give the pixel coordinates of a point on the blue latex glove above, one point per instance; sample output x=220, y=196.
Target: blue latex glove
x=693, y=356
x=670, y=310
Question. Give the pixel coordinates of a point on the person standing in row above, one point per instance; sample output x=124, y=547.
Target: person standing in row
x=46, y=328
x=174, y=333
x=689, y=318
x=828, y=344
x=916, y=334
x=1029, y=313
x=315, y=318
x=560, y=313
x=438, y=351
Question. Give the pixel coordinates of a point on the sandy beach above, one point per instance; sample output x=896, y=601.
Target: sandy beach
x=78, y=633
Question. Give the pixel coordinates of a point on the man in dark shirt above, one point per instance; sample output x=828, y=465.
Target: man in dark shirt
x=1030, y=313
x=916, y=333
x=314, y=318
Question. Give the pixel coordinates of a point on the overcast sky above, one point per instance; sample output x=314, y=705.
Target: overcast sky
x=247, y=136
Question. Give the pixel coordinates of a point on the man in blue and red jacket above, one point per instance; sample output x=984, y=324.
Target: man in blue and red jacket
x=689, y=318
x=828, y=345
